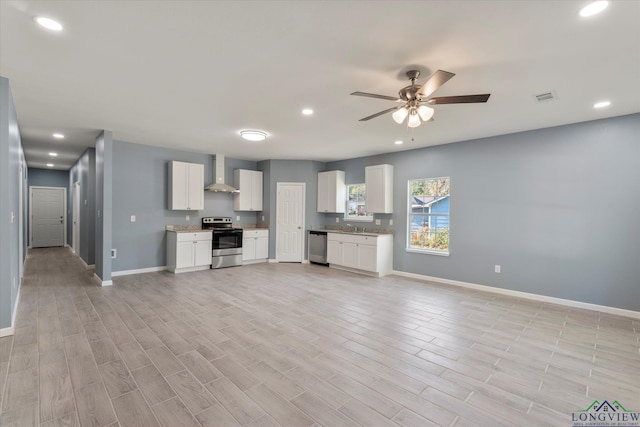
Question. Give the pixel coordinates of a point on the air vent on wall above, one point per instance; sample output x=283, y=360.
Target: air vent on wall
x=546, y=97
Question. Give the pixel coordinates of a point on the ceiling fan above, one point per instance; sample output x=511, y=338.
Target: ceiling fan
x=416, y=99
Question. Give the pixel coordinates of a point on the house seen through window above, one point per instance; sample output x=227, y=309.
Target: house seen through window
x=428, y=207
x=356, y=207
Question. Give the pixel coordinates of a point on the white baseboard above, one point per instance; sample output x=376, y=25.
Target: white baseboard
x=138, y=271
x=5, y=332
x=525, y=295
x=305, y=261
x=102, y=282
x=86, y=266
x=273, y=261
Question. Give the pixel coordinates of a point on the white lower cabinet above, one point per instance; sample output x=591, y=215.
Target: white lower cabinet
x=188, y=251
x=371, y=254
x=255, y=246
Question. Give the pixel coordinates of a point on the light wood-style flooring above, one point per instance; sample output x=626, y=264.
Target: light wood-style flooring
x=300, y=345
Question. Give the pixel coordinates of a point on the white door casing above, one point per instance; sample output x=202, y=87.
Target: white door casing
x=290, y=202
x=75, y=229
x=48, y=216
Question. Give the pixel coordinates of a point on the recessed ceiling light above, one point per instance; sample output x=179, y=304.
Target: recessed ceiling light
x=48, y=23
x=58, y=136
x=49, y=165
x=601, y=104
x=307, y=111
x=52, y=154
x=253, y=135
x=398, y=142
x=593, y=8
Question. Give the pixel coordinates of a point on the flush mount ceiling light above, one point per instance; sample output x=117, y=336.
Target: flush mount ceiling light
x=58, y=136
x=307, y=111
x=48, y=23
x=593, y=8
x=49, y=165
x=253, y=135
x=601, y=104
x=52, y=154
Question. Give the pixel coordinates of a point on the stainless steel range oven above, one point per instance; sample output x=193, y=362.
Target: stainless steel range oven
x=227, y=242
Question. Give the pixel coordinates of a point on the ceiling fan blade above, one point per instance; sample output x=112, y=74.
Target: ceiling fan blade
x=373, y=95
x=432, y=84
x=462, y=99
x=373, y=116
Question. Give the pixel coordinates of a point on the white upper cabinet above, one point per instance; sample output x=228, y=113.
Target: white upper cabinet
x=186, y=186
x=379, y=186
x=250, y=185
x=331, y=192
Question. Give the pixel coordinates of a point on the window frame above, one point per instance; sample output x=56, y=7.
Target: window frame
x=361, y=218
x=408, y=247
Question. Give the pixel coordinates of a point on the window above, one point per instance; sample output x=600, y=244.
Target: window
x=356, y=208
x=428, y=207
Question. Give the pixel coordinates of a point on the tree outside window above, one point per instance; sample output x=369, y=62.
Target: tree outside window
x=428, y=207
x=356, y=203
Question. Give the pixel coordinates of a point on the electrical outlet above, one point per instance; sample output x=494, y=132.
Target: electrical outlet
x=13, y=281
x=237, y=217
x=377, y=222
x=12, y=217
x=337, y=219
x=133, y=218
x=187, y=218
x=390, y=222
x=262, y=218
x=114, y=253
x=497, y=268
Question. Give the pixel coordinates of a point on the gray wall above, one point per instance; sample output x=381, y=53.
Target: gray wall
x=104, y=204
x=140, y=188
x=557, y=208
x=53, y=178
x=290, y=171
x=13, y=174
x=84, y=172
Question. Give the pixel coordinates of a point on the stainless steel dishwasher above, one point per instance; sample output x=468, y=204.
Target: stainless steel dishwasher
x=317, y=246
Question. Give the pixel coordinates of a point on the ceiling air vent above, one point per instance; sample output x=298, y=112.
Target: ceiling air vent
x=546, y=97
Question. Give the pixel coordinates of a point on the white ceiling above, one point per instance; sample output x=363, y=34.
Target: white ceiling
x=191, y=74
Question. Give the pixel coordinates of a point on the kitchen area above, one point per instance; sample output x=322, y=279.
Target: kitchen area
x=218, y=243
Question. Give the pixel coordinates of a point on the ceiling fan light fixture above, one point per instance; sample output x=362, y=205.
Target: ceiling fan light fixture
x=425, y=112
x=414, y=120
x=400, y=115
x=253, y=135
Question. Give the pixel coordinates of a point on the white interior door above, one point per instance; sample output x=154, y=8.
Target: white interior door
x=47, y=216
x=290, y=199
x=75, y=229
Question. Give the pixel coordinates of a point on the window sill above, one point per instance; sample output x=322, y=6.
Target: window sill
x=427, y=252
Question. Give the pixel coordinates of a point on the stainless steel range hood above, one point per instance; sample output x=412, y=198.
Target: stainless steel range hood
x=219, y=185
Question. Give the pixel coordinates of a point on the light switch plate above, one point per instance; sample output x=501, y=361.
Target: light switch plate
x=187, y=218
x=390, y=222
x=133, y=218
x=377, y=222
x=237, y=217
x=337, y=219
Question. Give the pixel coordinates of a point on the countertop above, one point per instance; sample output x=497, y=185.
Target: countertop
x=373, y=233
x=196, y=228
